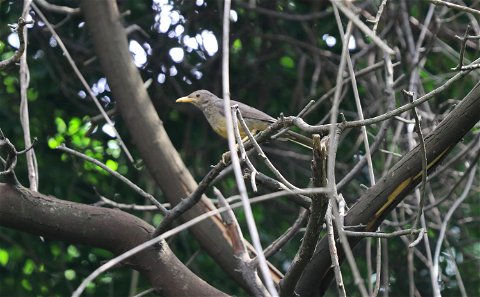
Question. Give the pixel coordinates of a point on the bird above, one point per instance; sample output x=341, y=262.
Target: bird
x=256, y=120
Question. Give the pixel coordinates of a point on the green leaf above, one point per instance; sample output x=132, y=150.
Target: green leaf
x=44, y=290
x=6, y=55
x=61, y=126
x=90, y=288
x=2, y=46
x=11, y=89
x=9, y=80
x=106, y=279
x=26, y=285
x=287, y=62
x=92, y=257
x=70, y=274
x=52, y=143
x=73, y=251
x=55, y=250
x=28, y=267
x=80, y=141
x=3, y=257
x=74, y=126
x=237, y=46
x=112, y=165
x=32, y=94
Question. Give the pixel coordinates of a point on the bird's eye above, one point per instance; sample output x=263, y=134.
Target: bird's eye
x=198, y=95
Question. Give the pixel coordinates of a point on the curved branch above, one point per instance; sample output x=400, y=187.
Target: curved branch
x=110, y=229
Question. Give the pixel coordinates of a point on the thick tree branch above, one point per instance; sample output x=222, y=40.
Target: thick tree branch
x=110, y=229
x=377, y=202
x=148, y=133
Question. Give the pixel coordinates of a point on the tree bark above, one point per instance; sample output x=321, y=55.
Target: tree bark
x=110, y=229
x=148, y=133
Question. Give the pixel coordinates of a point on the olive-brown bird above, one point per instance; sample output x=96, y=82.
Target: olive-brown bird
x=256, y=120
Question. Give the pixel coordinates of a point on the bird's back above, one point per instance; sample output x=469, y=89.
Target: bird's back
x=248, y=112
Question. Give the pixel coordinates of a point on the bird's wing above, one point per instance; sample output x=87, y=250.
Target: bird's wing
x=248, y=112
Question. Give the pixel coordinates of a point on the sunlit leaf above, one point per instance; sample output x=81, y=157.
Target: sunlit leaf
x=28, y=267
x=237, y=45
x=3, y=257
x=73, y=251
x=112, y=164
x=70, y=274
x=61, y=125
x=287, y=62
x=74, y=125
x=52, y=143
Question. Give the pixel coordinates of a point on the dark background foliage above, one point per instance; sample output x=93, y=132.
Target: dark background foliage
x=277, y=65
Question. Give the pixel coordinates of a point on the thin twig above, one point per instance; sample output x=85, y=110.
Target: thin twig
x=195, y=196
x=345, y=37
x=354, y=124
x=21, y=49
x=334, y=133
x=57, y=8
x=283, y=15
x=358, y=280
x=83, y=81
x=117, y=175
x=32, y=165
x=105, y=201
x=275, y=185
x=423, y=153
x=455, y=6
x=239, y=141
x=262, y=155
x=10, y=162
x=421, y=232
x=118, y=259
x=446, y=219
x=462, y=48
x=141, y=294
x=381, y=234
x=235, y=161
x=377, y=17
x=285, y=237
x=378, y=268
x=455, y=186
x=364, y=28
x=333, y=253
x=300, y=114
x=358, y=74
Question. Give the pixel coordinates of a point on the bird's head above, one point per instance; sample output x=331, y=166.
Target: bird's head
x=200, y=98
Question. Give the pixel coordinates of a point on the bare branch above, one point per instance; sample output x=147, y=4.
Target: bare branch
x=16, y=57
x=117, y=175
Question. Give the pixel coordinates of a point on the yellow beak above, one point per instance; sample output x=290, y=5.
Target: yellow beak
x=186, y=100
